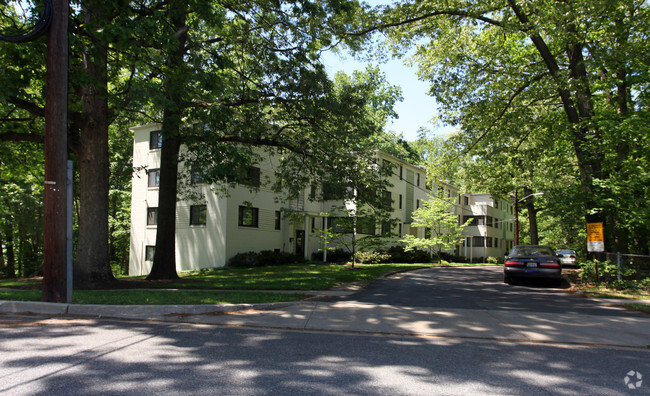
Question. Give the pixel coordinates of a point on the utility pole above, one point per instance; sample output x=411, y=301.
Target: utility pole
x=516, y=219
x=56, y=156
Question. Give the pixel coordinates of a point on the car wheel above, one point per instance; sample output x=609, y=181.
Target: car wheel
x=507, y=279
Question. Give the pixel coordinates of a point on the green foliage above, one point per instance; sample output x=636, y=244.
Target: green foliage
x=550, y=97
x=398, y=254
x=437, y=216
x=263, y=259
x=334, y=256
x=372, y=257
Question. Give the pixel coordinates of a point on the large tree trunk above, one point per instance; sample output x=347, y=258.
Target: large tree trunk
x=92, y=266
x=532, y=216
x=10, y=269
x=164, y=262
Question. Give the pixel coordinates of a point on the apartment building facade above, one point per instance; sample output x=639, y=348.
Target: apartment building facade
x=214, y=227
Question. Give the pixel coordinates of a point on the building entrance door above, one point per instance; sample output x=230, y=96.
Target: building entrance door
x=300, y=243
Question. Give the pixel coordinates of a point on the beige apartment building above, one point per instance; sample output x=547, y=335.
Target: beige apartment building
x=214, y=227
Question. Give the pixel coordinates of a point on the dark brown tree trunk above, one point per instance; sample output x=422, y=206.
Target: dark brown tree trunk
x=532, y=216
x=164, y=262
x=10, y=269
x=92, y=266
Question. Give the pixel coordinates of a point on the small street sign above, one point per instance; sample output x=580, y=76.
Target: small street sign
x=595, y=237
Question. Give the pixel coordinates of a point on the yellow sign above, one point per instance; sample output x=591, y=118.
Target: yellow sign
x=595, y=237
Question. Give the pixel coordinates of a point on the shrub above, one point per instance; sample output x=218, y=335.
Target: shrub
x=248, y=259
x=334, y=256
x=269, y=257
x=492, y=260
x=398, y=255
x=375, y=257
x=263, y=258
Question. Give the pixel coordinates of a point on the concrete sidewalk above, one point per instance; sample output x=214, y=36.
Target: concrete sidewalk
x=350, y=316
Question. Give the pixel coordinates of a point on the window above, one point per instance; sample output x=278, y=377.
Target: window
x=478, y=241
x=400, y=172
x=496, y=204
x=152, y=216
x=387, y=199
x=366, y=226
x=149, y=252
x=250, y=176
x=511, y=227
x=336, y=224
x=418, y=180
x=155, y=140
x=197, y=176
x=399, y=229
x=333, y=191
x=488, y=242
x=386, y=167
x=466, y=199
x=417, y=204
x=154, y=177
x=198, y=214
x=400, y=201
x=385, y=228
x=488, y=221
x=476, y=220
x=278, y=219
x=248, y=216
x=427, y=233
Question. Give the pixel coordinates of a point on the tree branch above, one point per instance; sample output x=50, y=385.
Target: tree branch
x=21, y=137
x=459, y=13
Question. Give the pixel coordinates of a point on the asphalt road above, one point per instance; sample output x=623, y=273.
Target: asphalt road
x=441, y=331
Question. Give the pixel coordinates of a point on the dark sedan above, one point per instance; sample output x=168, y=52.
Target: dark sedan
x=532, y=261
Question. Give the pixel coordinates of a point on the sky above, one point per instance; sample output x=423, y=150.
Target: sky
x=416, y=110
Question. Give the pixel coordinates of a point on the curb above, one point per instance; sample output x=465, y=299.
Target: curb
x=146, y=312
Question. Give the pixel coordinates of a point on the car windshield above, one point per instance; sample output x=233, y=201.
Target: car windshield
x=532, y=251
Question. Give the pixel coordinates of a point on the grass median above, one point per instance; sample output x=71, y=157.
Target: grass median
x=216, y=286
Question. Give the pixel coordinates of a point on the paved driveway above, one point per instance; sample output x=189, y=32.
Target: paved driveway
x=477, y=288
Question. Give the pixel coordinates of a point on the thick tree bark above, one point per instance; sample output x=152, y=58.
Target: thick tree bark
x=164, y=262
x=92, y=266
x=10, y=268
x=532, y=217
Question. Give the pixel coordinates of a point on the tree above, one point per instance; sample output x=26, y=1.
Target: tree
x=97, y=28
x=491, y=61
x=253, y=81
x=442, y=231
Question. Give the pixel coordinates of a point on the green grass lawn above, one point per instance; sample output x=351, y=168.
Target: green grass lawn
x=216, y=286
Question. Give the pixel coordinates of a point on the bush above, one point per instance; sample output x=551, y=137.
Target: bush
x=248, y=259
x=334, y=256
x=372, y=257
x=398, y=255
x=263, y=258
x=492, y=260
